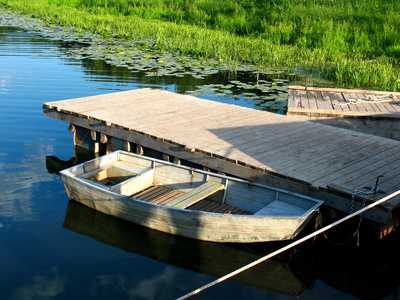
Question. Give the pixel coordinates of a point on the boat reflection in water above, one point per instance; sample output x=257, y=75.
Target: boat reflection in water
x=286, y=274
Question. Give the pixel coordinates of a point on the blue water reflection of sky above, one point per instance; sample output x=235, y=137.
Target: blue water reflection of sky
x=39, y=258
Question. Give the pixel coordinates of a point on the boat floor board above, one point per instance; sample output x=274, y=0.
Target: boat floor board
x=212, y=206
x=162, y=195
x=158, y=195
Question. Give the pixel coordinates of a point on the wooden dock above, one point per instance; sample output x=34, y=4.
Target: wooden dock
x=286, y=151
x=372, y=112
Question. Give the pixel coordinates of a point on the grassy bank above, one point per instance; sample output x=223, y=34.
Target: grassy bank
x=353, y=43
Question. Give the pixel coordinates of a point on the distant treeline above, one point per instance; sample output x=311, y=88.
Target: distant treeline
x=352, y=42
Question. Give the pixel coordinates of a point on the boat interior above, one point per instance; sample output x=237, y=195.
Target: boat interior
x=182, y=187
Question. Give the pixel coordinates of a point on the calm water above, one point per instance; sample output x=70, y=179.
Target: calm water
x=54, y=248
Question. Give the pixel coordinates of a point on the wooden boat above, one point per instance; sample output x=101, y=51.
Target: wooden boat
x=188, y=202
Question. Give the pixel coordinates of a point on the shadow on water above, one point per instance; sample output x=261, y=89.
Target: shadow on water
x=366, y=272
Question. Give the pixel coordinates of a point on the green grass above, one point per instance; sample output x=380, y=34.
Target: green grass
x=351, y=42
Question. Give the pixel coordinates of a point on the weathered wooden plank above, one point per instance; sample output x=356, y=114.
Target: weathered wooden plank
x=332, y=145
x=348, y=99
x=304, y=99
x=291, y=100
x=181, y=120
x=168, y=196
x=345, y=102
x=332, y=100
x=382, y=107
x=339, y=102
x=252, y=137
x=351, y=162
x=370, y=106
x=279, y=208
x=335, y=161
x=312, y=101
x=102, y=101
x=341, y=90
x=135, y=184
x=394, y=105
x=211, y=206
x=366, y=174
x=151, y=194
x=322, y=102
x=295, y=142
x=182, y=129
x=297, y=99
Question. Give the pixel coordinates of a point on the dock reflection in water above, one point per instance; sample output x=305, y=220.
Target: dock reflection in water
x=287, y=274
x=370, y=271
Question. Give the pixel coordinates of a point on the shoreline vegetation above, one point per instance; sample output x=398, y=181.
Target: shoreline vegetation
x=349, y=42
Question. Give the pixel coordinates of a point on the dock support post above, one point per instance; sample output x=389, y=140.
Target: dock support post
x=103, y=138
x=96, y=138
x=114, y=144
x=139, y=150
x=127, y=146
x=83, y=138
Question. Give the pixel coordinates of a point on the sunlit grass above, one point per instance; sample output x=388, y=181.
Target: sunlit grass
x=354, y=43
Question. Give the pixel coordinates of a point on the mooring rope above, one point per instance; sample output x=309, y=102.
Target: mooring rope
x=373, y=99
x=358, y=225
x=268, y=256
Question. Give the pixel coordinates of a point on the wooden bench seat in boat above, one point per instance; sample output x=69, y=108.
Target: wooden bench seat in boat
x=203, y=191
x=280, y=208
x=134, y=184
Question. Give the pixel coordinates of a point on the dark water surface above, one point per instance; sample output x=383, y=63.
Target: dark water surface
x=54, y=248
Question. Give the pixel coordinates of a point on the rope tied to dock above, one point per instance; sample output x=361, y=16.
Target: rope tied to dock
x=355, y=192
x=366, y=193
x=370, y=99
x=291, y=245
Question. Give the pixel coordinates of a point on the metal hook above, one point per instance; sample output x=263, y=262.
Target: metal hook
x=376, y=183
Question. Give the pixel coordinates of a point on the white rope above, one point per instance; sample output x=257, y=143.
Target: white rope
x=264, y=258
x=373, y=99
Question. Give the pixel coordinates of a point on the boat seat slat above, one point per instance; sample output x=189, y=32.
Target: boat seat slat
x=197, y=194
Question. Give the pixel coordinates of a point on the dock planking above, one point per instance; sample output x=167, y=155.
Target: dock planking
x=342, y=102
x=286, y=151
x=372, y=112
